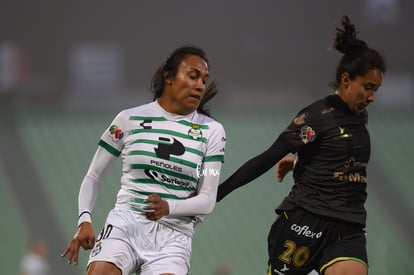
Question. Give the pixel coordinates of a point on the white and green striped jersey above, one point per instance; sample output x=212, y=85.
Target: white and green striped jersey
x=162, y=153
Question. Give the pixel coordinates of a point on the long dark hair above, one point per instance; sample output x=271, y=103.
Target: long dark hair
x=357, y=58
x=170, y=67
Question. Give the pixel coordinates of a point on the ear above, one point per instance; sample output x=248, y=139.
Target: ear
x=345, y=80
x=167, y=78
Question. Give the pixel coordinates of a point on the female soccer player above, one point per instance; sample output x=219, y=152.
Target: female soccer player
x=321, y=222
x=169, y=148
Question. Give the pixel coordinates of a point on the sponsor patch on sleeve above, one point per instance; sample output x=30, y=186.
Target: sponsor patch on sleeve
x=115, y=133
x=307, y=134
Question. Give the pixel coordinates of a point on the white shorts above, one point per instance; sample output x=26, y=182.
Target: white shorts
x=137, y=245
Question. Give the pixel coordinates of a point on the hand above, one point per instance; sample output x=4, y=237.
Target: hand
x=283, y=167
x=84, y=237
x=157, y=209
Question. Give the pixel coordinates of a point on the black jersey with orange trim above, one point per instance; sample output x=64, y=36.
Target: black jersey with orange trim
x=333, y=148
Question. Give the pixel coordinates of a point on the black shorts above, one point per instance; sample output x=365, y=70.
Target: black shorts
x=300, y=241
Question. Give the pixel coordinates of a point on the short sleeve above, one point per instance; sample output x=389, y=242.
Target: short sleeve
x=113, y=137
x=216, y=144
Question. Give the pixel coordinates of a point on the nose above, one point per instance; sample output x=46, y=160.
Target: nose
x=200, y=89
x=200, y=85
x=371, y=97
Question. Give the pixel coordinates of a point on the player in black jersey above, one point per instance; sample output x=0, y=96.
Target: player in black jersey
x=321, y=222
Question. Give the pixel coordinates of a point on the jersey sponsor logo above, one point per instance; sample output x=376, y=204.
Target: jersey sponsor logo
x=353, y=163
x=355, y=176
x=195, y=132
x=164, y=178
x=305, y=231
x=146, y=121
x=166, y=165
x=169, y=147
x=115, y=133
x=300, y=119
x=222, y=150
x=307, y=134
x=327, y=110
x=342, y=133
x=350, y=177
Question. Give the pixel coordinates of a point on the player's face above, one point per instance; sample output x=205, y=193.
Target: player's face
x=183, y=93
x=360, y=92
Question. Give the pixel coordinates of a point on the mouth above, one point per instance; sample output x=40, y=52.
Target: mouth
x=198, y=97
x=362, y=106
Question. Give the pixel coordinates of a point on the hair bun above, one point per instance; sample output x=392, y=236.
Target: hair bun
x=346, y=38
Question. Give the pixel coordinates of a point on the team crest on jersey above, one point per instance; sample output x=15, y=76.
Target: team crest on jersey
x=115, y=133
x=195, y=132
x=307, y=134
x=97, y=249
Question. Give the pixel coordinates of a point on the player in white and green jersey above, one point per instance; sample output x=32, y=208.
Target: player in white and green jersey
x=172, y=152
x=163, y=153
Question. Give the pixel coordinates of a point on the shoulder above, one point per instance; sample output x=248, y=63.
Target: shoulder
x=144, y=109
x=208, y=121
x=318, y=105
x=313, y=111
x=139, y=109
x=316, y=117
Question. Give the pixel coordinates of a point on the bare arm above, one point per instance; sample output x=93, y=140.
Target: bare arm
x=284, y=166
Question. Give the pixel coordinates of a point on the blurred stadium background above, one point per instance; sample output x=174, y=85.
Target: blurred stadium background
x=66, y=68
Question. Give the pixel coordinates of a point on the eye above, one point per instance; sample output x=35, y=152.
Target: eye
x=370, y=87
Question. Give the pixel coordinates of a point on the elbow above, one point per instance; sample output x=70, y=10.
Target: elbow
x=209, y=207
